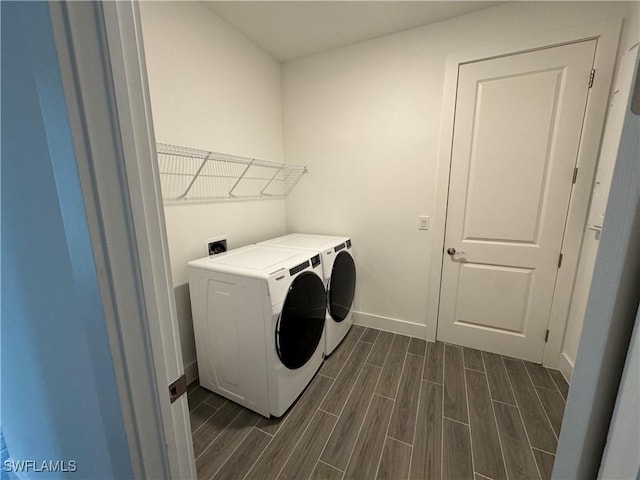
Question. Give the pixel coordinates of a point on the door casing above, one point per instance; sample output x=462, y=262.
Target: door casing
x=99, y=47
x=607, y=34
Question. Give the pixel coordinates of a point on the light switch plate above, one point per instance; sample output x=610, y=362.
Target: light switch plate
x=423, y=222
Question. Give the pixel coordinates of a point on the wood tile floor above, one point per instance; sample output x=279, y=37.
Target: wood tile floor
x=386, y=406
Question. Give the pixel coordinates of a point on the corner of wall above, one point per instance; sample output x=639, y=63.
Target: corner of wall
x=213, y=88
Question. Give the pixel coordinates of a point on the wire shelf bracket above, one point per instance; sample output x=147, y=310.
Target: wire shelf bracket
x=189, y=174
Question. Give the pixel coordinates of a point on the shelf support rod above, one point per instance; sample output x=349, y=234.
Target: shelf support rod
x=195, y=177
x=240, y=177
x=271, y=180
x=298, y=177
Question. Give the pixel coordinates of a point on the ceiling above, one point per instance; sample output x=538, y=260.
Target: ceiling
x=294, y=29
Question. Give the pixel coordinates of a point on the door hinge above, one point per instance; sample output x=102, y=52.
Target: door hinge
x=575, y=175
x=560, y=260
x=178, y=388
x=546, y=336
x=591, y=76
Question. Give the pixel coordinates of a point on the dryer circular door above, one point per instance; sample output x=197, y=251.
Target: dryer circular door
x=301, y=323
x=342, y=286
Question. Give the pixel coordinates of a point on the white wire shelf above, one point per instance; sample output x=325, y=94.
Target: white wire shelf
x=189, y=174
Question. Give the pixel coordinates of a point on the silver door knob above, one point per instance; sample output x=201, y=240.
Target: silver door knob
x=452, y=251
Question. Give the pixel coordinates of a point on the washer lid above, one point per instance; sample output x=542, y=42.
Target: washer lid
x=254, y=260
x=303, y=240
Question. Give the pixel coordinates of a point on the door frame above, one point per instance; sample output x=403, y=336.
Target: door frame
x=607, y=34
x=101, y=57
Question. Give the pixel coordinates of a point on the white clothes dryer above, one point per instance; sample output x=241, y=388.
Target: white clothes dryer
x=258, y=318
x=339, y=272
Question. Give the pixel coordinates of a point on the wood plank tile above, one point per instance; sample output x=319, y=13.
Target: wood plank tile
x=545, y=463
x=539, y=375
x=343, y=384
x=417, y=346
x=199, y=415
x=497, y=377
x=390, y=377
x=326, y=472
x=370, y=335
x=553, y=405
x=297, y=444
x=433, y=362
x=356, y=331
x=456, y=449
x=241, y=460
x=307, y=452
x=455, y=395
x=368, y=449
x=277, y=452
x=535, y=421
x=427, y=447
x=380, y=349
x=221, y=449
x=332, y=365
x=394, y=464
x=517, y=452
x=214, y=425
x=477, y=476
x=215, y=400
x=196, y=396
x=344, y=436
x=560, y=382
x=272, y=425
x=403, y=419
x=473, y=359
x=487, y=455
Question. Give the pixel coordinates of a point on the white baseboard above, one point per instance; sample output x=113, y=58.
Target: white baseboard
x=191, y=372
x=393, y=325
x=565, y=365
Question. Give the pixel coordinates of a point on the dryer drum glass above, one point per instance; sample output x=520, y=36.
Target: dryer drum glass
x=342, y=287
x=301, y=323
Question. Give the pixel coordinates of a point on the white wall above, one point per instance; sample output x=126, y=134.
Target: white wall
x=211, y=88
x=591, y=240
x=366, y=119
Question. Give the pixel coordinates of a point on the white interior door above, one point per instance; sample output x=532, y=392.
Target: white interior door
x=518, y=122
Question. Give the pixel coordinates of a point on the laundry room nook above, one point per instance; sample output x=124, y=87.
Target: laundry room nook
x=379, y=226
x=382, y=223
x=320, y=240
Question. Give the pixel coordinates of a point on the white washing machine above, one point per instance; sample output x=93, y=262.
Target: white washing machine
x=339, y=272
x=258, y=318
